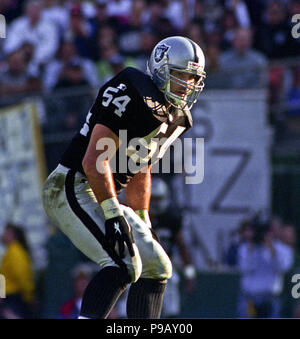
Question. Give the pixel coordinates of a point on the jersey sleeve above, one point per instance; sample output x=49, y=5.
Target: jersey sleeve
x=116, y=105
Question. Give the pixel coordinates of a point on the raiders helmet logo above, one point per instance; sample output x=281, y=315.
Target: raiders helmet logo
x=160, y=52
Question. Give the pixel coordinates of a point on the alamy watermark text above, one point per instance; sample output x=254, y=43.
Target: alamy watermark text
x=296, y=27
x=2, y=286
x=2, y=26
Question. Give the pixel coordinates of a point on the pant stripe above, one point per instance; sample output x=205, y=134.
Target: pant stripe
x=87, y=221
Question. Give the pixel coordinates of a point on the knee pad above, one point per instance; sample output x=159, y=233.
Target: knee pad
x=155, y=261
x=159, y=267
x=165, y=269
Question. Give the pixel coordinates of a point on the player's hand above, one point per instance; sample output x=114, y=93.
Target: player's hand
x=118, y=231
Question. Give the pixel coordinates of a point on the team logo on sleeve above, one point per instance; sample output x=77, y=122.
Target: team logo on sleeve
x=122, y=87
x=160, y=52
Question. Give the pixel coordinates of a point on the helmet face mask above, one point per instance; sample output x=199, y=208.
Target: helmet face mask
x=189, y=91
x=174, y=70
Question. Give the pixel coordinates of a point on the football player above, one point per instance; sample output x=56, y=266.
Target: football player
x=134, y=119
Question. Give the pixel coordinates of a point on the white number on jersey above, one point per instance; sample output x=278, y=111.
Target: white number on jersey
x=120, y=102
x=86, y=127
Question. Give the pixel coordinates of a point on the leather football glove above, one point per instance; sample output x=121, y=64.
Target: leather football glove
x=117, y=229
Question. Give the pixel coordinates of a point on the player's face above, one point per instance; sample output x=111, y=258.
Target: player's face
x=180, y=89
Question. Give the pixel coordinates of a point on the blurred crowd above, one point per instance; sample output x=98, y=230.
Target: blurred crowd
x=52, y=44
x=263, y=250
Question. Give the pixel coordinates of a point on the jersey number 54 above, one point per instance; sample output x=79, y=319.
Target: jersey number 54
x=120, y=101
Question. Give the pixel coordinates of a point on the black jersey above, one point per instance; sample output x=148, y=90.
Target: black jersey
x=133, y=107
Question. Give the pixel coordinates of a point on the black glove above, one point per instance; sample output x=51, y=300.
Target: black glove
x=117, y=230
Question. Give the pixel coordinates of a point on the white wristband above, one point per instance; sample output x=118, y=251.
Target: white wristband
x=111, y=208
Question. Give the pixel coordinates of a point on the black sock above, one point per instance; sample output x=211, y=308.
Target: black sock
x=145, y=299
x=102, y=292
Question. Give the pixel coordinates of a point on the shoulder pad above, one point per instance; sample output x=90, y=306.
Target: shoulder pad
x=147, y=91
x=143, y=84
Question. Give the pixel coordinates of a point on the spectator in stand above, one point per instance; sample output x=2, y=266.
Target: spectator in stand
x=276, y=225
x=75, y=77
x=157, y=21
x=293, y=95
x=176, y=12
x=108, y=53
x=212, y=13
x=67, y=66
x=102, y=19
x=262, y=263
x=242, y=66
x=155, y=10
x=106, y=38
x=16, y=78
x=81, y=275
x=240, y=11
x=80, y=32
x=130, y=38
x=273, y=37
x=244, y=234
x=293, y=103
x=276, y=76
x=215, y=79
x=73, y=108
x=59, y=15
x=256, y=9
x=197, y=12
x=19, y=276
x=72, y=75
x=148, y=40
x=214, y=36
x=120, y=9
x=229, y=25
x=288, y=235
x=32, y=28
x=194, y=31
x=111, y=61
x=87, y=7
